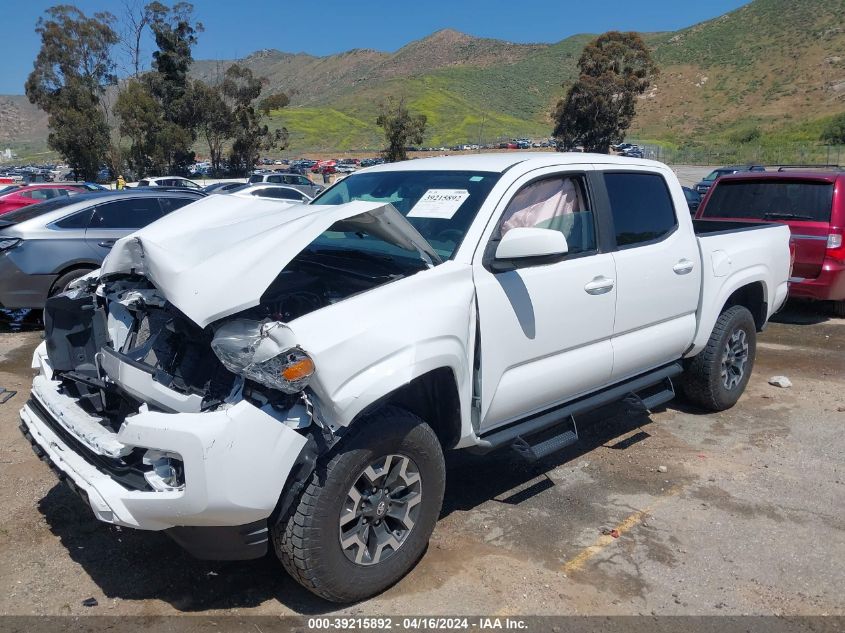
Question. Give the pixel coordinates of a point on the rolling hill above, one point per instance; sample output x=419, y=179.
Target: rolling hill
x=773, y=70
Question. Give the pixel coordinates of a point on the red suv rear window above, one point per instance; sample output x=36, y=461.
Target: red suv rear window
x=771, y=200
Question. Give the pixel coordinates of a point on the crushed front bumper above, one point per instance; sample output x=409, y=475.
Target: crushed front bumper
x=236, y=461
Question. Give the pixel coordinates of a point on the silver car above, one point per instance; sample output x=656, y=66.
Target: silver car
x=291, y=180
x=282, y=193
x=44, y=247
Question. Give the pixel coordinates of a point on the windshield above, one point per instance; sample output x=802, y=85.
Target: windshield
x=716, y=173
x=771, y=200
x=441, y=205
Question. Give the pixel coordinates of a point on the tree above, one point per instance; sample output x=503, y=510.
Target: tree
x=175, y=34
x=158, y=109
x=241, y=88
x=401, y=128
x=273, y=102
x=599, y=107
x=137, y=17
x=215, y=118
x=834, y=131
x=69, y=77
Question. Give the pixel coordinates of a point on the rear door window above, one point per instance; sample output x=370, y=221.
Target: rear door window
x=771, y=200
x=78, y=220
x=641, y=206
x=171, y=204
x=126, y=214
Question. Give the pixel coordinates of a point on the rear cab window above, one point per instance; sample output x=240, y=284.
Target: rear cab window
x=762, y=199
x=641, y=207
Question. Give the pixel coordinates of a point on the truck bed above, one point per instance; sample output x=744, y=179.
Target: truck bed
x=717, y=227
x=733, y=255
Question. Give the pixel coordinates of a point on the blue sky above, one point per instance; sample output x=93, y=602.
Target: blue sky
x=235, y=28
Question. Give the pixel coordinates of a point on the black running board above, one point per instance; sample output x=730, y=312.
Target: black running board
x=546, y=443
x=650, y=398
x=516, y=432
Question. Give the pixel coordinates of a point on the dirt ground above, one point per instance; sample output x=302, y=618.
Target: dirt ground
x=748, y=517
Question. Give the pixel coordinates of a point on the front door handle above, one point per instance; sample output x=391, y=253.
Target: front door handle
x=683, y=267
x=106, y=243
x=599, y=285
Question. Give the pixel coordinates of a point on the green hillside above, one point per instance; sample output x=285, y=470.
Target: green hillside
x=768, y=74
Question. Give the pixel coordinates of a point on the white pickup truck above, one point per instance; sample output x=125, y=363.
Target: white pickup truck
x=238, y=374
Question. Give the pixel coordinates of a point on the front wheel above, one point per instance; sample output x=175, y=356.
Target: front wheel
x=716, y=378
x=61, y=284
x=368, y=512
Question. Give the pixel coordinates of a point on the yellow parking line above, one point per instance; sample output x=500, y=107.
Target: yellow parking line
x=577, y=562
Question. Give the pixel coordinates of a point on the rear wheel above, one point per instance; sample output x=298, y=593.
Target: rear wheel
x=716, y=378
x=839, y=308
x=368, y=512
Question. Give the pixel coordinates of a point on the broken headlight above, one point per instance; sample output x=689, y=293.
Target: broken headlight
x=250, y=349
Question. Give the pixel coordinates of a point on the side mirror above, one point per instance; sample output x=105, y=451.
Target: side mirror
x=525, y=242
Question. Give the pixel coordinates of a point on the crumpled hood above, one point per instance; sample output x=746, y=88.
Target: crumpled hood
x=217, y=256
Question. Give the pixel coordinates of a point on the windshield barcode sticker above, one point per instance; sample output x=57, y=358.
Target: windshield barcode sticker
x=439, y=203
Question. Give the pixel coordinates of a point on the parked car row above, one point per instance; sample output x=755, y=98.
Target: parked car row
x=704, y=185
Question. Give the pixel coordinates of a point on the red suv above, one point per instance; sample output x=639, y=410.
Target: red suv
x=812, y=203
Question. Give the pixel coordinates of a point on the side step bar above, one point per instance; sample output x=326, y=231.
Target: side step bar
x=565, y=434
x=652, y=397
x=648, y=391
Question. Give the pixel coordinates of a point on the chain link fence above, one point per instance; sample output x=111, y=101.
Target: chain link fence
x=783, y=154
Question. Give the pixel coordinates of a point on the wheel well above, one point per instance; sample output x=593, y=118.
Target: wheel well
x=66, y=270
x=751, y=296
x=434, y=398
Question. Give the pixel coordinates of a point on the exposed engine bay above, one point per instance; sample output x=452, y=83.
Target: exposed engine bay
x=102, y=327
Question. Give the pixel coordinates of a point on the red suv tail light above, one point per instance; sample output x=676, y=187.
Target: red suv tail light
x=792, y=248
x=835, y=246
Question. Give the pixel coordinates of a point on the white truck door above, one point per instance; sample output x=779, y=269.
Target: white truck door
x=545, y=327
x=658, y=270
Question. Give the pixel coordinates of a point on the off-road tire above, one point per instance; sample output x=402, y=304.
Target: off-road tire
x=701, y=381
x=307, y=540
x=839, y=309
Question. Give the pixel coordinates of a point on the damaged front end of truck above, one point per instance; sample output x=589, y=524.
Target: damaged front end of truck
x=172, y=394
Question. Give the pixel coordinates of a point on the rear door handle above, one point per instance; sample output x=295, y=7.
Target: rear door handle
x=106, y=243
x=683, y=267
x=599, y=285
